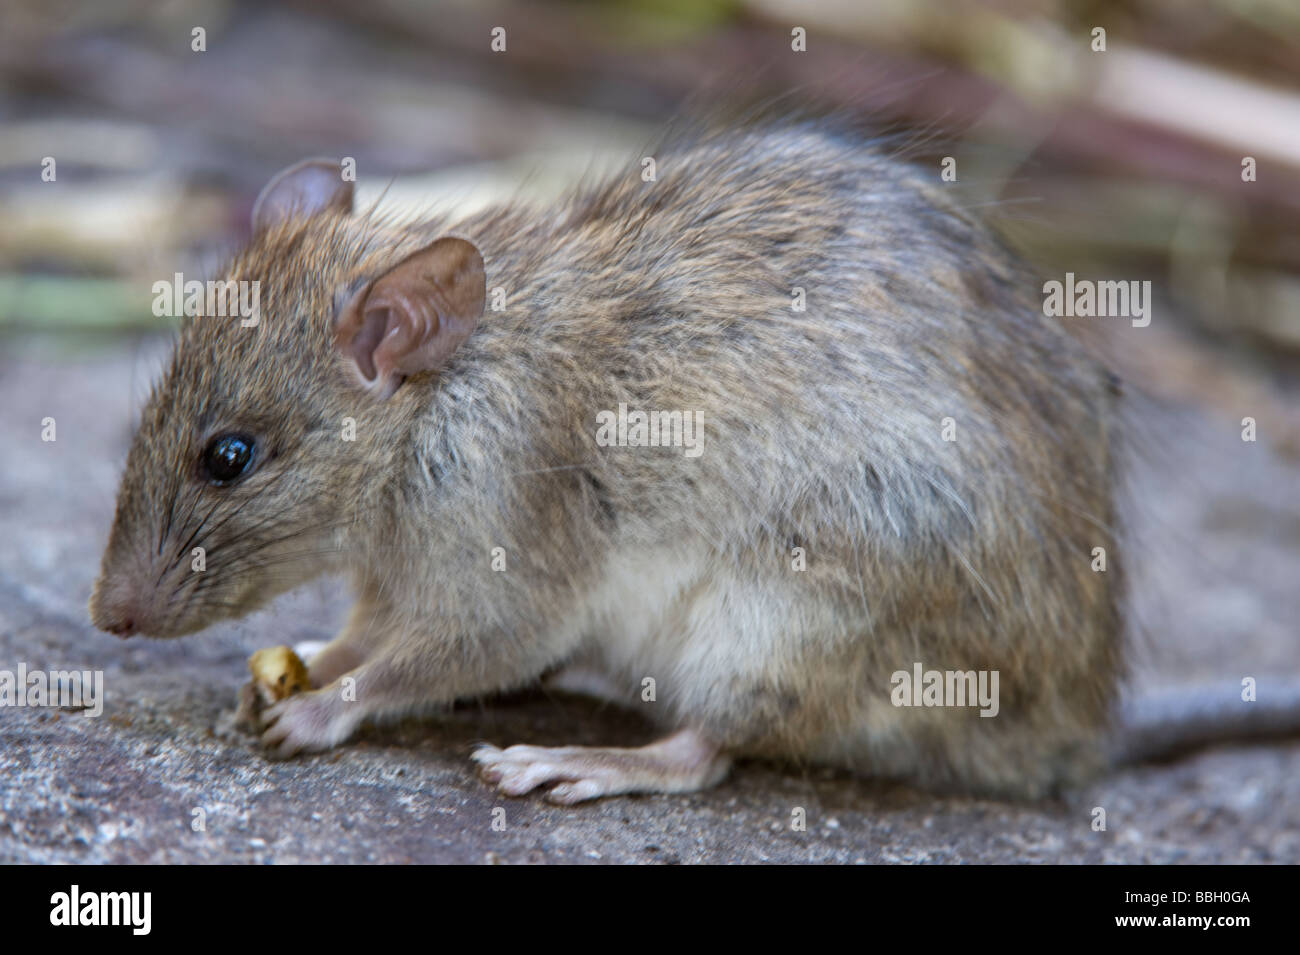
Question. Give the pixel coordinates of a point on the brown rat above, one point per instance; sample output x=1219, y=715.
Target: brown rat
x=915, y=467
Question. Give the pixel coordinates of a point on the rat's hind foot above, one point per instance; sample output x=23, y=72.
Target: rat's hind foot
x=683, y=762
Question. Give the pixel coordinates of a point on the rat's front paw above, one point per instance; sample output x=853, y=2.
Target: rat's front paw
x=278, y=673
x=248, y=715
x=307, y=722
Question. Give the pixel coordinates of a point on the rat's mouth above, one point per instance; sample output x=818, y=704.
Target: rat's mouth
x=124, y=627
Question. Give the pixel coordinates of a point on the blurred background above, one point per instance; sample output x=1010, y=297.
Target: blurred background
x=1122, y=163
x=1127, y=159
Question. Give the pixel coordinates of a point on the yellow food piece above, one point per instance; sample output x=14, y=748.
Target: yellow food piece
x=278, y=673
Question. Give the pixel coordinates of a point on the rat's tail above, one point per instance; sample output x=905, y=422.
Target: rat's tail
x=1170, y=723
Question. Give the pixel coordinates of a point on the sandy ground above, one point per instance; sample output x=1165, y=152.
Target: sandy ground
x=1216, y=593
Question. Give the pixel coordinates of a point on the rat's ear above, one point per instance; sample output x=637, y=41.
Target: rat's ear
x=304, y=189
x=414, y=316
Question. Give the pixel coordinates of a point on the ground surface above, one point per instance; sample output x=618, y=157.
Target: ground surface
x=1217, y=589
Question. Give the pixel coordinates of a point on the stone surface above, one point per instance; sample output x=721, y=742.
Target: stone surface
x=1216, y=593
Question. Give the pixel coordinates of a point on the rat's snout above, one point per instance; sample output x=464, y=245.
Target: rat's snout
x=115, y=609
x=124, y=628
x=126, y=599
x=135, y=590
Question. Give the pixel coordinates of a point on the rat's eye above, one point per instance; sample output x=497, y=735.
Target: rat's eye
x=227, y=457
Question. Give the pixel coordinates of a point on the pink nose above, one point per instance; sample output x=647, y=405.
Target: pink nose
x=115, y=612
x=123, y=627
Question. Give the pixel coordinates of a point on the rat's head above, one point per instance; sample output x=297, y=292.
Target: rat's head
x=277, y=419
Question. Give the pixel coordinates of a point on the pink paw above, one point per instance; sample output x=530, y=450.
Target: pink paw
x=308, y=722
x=683, y=762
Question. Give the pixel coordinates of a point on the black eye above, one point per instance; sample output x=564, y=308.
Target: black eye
x=227, y=457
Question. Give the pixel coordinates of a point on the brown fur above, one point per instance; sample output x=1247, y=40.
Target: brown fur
x=822, y=429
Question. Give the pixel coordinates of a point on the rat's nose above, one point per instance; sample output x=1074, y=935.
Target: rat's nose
x=114, y=612
x=121, y=628
x=117, y=620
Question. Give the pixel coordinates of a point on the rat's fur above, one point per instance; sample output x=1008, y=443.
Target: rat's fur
x=822, y=431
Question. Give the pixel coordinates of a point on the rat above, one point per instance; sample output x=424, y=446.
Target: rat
x=871, y=453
